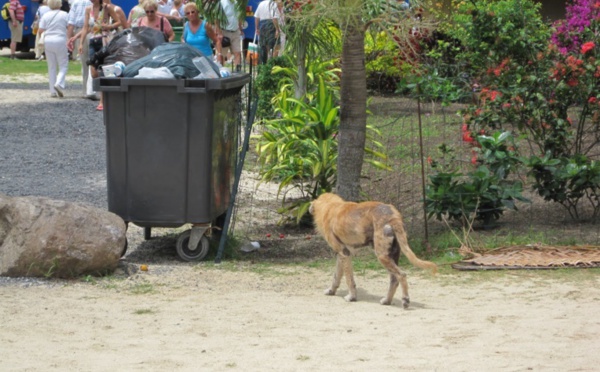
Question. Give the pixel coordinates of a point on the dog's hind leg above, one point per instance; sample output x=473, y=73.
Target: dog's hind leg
x=388, y=253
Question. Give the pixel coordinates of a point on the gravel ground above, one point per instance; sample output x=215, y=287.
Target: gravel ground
x=51, y=147
x=55, y=147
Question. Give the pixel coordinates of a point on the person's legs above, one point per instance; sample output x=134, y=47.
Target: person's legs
x=88, y=90
x=16, y=36
x=52, y=61
x=236, y=49
x=62, y=58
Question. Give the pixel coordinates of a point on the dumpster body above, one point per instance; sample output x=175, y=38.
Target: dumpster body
x=171, y=151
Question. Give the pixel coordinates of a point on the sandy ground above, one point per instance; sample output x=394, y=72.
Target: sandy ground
x=188, y=317
x=256, y=317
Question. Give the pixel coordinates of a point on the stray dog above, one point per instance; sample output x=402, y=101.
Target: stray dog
x=348, y=225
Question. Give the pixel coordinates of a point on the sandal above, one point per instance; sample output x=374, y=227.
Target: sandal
x=99, y=107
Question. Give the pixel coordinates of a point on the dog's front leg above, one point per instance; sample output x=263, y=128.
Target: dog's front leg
x=337, y=276
x=347, y=266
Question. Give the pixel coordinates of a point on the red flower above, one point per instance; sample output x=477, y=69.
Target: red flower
x=572, y=82
x=467, y=137
x=474, y=160
x=587, y=47
x=592, y=100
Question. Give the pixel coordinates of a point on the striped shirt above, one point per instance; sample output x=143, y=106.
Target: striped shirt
x=15, y=5
x=77, y=13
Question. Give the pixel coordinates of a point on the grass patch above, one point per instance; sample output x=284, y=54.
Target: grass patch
x=142, y=288
x=144, y=311
x=25, y=66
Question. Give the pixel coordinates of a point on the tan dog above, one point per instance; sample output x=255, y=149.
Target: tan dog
x=347, y=225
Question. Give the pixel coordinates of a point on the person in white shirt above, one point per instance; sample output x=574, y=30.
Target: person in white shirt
x=53, y=28
x=164, y=7
x=267, y=28
x=231, y=29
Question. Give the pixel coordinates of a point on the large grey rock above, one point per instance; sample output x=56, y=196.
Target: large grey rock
x=53, y=238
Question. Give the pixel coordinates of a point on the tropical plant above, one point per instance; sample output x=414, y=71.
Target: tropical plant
x=352, y=19
x=300, y=148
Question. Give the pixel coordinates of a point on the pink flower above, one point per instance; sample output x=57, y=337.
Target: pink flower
x=587, y=47
x=592, y=100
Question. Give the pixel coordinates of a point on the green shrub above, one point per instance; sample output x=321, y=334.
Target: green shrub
x=483, y=193
x=266, y=86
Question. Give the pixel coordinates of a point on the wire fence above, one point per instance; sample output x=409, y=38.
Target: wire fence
x=411, y=135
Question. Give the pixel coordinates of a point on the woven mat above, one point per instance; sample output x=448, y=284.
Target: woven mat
x=533, y=256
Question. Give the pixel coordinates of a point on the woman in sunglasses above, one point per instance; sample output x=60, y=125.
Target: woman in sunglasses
x=155, y=20
x=198, y=33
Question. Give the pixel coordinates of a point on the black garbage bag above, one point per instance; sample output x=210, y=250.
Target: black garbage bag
x=177, y=57
x=128, y=46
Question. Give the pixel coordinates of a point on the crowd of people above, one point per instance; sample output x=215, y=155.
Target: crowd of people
x=83, y=27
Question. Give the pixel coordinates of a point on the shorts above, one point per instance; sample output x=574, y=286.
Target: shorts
x=95, y=46
x=267, y=34
x=16, y=33
x=235, y=38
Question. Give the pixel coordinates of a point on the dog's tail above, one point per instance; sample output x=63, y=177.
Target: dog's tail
x=405, y=248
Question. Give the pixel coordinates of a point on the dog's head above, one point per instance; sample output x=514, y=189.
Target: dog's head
x=322, y=201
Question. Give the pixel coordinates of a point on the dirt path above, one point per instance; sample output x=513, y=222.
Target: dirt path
x=199, y=318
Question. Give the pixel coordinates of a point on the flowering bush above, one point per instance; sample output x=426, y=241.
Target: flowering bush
x=552, y=99
x=480, y=36
x=579, y=19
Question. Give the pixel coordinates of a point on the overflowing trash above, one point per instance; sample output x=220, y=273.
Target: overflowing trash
x=128, y=46
x=177, y=57
x=142, y=52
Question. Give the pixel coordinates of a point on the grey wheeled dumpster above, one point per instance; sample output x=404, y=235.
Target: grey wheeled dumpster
x=171, y=147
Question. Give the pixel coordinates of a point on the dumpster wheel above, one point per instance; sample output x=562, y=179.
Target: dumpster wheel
x=195, y=254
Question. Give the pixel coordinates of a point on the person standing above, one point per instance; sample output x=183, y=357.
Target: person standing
x=53, y=28
x=197, y=32
x=76, y=20
x=232, y=30
x=280, y=44
x=97, y=17
x=135, y=14
x=17, y=15
x=42, y=9
x=267, y=28
x=154, y=20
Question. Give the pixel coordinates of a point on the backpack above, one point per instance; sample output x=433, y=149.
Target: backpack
x=5, y=13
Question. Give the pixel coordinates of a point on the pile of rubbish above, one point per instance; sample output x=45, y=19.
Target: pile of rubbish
x=141, y=52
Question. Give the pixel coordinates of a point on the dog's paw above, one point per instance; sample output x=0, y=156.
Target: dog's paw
x=329, y=292
x=405, y=302
x=385, y=301
x=350, y=298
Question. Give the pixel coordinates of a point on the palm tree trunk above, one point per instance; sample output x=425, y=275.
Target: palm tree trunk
x=301, y=84
x=353, y=119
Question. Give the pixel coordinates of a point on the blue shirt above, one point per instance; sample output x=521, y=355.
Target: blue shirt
x=198, y=40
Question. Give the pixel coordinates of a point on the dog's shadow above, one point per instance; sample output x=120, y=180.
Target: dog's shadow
x=364, y=296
